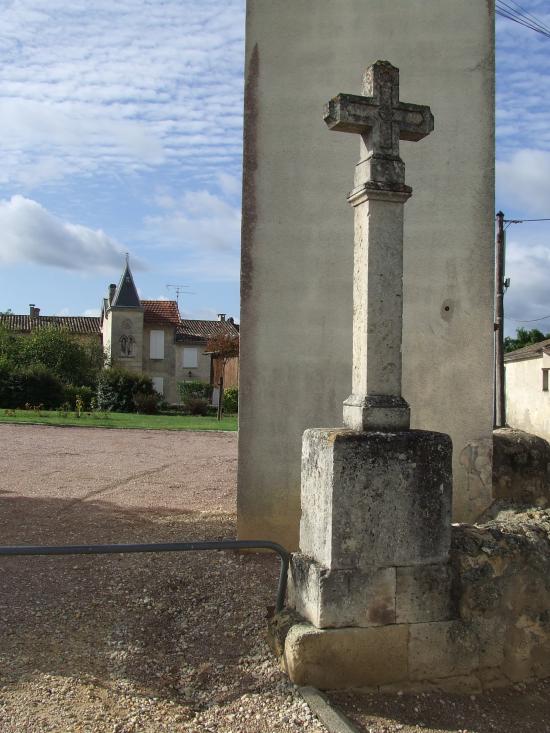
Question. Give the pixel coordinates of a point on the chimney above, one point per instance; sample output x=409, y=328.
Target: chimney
x=33, y=311
x=221, y=316
x=112, y=291
x=231, y=320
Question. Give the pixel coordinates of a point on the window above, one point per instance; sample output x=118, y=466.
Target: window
x=157, y=345
x=190, y=358
x=158, y=384
x=545, y=380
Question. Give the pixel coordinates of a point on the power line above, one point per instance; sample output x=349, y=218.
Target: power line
x=522, y=17
x=509, y=222
x=520, y=221
x=531, y=320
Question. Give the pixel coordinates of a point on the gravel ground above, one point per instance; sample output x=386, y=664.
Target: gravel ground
x=133, y=643
x=172, y=642
x=518, y=709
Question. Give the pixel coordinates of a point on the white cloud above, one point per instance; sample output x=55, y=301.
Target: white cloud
x=205, y=228
x=118, y=87
x=92, y=312
x=230, y=185
x=199, y=220
x=523, y=84
x=527, y=266
x=524, y=179
x=30, y=233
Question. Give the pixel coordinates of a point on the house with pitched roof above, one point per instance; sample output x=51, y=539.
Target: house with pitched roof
x=527, y=388
x=150, y=337
x=144, y=336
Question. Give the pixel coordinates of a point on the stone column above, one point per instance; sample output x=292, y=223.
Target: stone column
x=376, y=496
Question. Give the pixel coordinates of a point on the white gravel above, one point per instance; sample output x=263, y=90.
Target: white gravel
x=133, y=643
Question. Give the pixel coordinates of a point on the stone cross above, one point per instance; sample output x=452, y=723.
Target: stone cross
x=378, y=198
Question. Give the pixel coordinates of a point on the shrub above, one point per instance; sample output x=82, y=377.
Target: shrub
x=194, y=389
x=117, y=389
x=231, y=399
x=86, y=394
x=33, y=385
x=197, y=405
x=147, y=404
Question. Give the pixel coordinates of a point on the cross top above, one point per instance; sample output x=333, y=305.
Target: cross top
x=380, y=118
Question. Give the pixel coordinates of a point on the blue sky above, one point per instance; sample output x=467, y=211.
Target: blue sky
x=121, y=131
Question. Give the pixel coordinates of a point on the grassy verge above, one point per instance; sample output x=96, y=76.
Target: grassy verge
x=119, y=420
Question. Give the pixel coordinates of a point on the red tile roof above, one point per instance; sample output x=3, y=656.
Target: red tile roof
x=160, y=311
x=89, y=325
x=190, y=330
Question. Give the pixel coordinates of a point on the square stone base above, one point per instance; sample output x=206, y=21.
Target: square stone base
x=373, y=499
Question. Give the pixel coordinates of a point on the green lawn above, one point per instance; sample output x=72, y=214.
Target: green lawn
x=119, y=420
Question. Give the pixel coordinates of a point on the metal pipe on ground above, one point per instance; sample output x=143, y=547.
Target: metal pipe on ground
x=18, y=550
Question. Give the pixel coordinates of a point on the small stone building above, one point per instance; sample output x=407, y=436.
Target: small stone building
x=527, y=388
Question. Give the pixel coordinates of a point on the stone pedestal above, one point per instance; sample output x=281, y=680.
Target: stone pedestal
x=375, y=528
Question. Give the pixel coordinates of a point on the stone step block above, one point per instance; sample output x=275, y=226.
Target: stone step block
x=335, y=598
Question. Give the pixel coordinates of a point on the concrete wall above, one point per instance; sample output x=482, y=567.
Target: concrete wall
x=527, y=405
x=297, y=242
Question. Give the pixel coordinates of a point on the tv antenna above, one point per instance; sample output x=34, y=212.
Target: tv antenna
x=179, y=289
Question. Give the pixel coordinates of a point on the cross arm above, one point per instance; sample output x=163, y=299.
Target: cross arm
x=350, y=113
x=415, y=121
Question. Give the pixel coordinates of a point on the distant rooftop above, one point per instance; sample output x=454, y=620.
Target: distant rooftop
x=161, y=311
x=531, y=351
x=193, y=330
x=86, y=325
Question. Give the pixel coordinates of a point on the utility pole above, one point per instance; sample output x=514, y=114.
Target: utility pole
x=500, y=399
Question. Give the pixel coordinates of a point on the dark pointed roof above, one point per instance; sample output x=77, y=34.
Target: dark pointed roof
x=126, y=295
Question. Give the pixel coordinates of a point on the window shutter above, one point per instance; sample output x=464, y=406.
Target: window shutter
x=157, y=345
x=190, y=358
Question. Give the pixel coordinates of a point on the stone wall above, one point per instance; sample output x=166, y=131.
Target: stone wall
x=499, y=632
x=502, y=573
x=521, y=468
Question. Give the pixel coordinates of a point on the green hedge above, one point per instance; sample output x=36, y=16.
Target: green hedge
x=231, y=400
x=32, y=385
x=117, y=389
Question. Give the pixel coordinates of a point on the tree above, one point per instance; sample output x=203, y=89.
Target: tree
x=222, y=348
x=11, y=346
x=71, y=359
x=524, y=338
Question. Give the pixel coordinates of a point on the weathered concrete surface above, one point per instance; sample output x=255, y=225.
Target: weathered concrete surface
x=371, y=500
x=297, y=245
x=521, y=467
x=374, y=506
x=341, y=597
x=358, y=657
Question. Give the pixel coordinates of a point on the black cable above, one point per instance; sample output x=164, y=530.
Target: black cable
x=527, y=14
x=506, y=11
